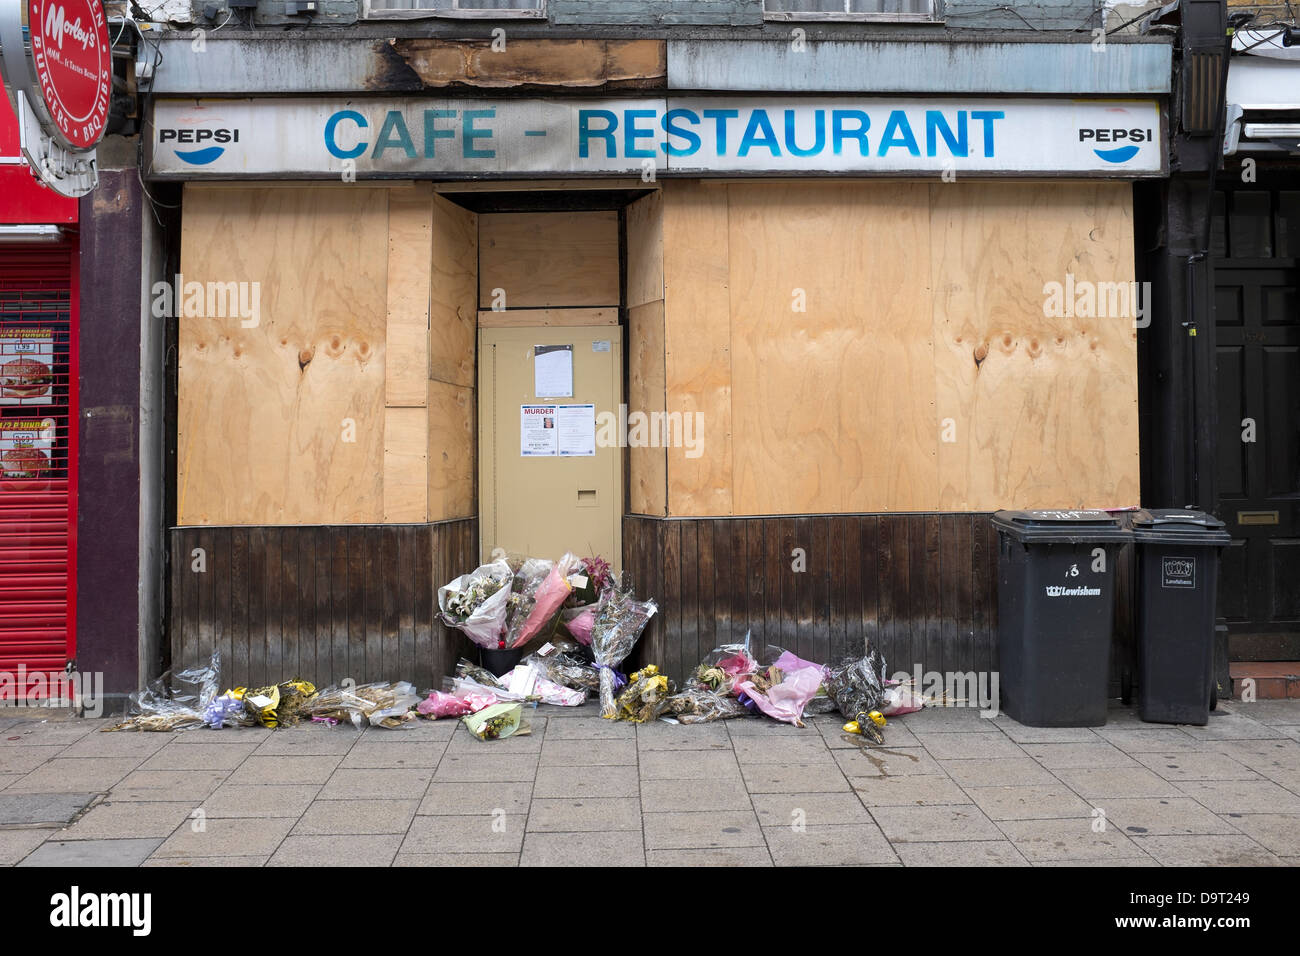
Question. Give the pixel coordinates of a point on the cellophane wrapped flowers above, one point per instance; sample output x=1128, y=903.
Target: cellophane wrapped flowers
x=477, y=603
x=620, y=619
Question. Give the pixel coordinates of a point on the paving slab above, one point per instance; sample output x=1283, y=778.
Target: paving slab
x=174, y=756
x=608, y=782
x=140, y=745
x=381, y=755
x=1098, y=783
x=579, y=814
x=226, y=735
x=1075, y=840
x=896, y=736
x=589, y=753
x=1022, y=734
x=755, y=749
x=324, y=851
x=261, y=768
x=809, y=809
x=309, y=740
x=75, y=775
x=1275, y=713
x=50, y=809
x=1151, y=739
x=456, y=859
x=688, y=765
x=87, y=853
x=823, y=776
x=961, y=853
x=1075, y=755
x=1017, y=771
x=260, y=800
x=1205, y=850
x=918, y=790
x=49, y=733
x=1279, y=832
x=692, y=830
x=1029, y=803
x=983, y=746
x=1162, y=816
x=1240, y=796
x=8, y=778
x=590, y=728
x=764, y=727
x=620, y=848
x=1263, y=756
x=504, y=768
x=718, y=856
x=871, y=761
x=228, y=837
x=852, y=844
x=948, y=720
x=471, y=798
x=16, y=844
x=128, y=820
x=356, y=817
x=485, y=833
x=1185, y=766
x=935, y=824
x=661, y=736
x=345, y=784
x=204, y=862
x=167, y=785
x=1225, y=726
x=666, y=796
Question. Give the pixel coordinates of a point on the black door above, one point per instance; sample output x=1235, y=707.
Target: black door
x=1258, y=365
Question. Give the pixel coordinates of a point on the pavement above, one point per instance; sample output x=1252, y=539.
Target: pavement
x=948, y=788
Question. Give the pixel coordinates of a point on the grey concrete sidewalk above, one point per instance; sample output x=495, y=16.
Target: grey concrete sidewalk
x=948, y=788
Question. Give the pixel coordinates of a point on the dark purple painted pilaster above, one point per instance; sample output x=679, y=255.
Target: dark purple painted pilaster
x=108, y=519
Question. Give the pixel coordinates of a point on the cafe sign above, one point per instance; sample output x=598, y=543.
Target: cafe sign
x=686, y=135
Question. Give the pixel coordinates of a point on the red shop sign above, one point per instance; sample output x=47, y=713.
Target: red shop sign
x=74, y=67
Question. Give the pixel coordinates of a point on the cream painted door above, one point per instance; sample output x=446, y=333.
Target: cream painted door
x=543, y=504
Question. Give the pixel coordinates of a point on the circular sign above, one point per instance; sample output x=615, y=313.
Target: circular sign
x=73, y=66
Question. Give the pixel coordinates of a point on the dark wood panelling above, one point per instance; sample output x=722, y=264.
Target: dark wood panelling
x=320, y=603
x=918, y=587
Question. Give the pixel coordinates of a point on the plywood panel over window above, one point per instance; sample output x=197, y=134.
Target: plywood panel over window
x=548, y=260
x=282, y=421
x=883, y=346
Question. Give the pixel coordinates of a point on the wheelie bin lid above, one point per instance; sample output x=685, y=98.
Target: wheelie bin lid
x=1178, y=526
x=1061, y=526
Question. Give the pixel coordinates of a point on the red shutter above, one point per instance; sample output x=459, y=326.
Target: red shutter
x=38, y=469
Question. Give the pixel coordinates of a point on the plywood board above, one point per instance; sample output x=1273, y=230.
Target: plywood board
x=283, y=423
x=548, y=259
x=645, y=250
x=453, y=304
x=1043, y=409
x=451, y=452
x=832, y=363
x=645, y=395
x=540, y=318
x=698, y=343
x=409, y=251
x=406, y=460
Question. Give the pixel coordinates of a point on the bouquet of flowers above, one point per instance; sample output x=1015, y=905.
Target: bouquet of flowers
x=543, y=603
x=620, y=619
x=477, y=603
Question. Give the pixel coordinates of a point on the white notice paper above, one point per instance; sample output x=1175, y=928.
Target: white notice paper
x=537, y=431
x=553, y=371
x=577, y=427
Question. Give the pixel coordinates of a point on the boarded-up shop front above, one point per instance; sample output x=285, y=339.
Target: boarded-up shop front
x=777, y=401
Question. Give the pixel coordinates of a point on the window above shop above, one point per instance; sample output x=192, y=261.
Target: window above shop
x=468, y=9
x=923, y=10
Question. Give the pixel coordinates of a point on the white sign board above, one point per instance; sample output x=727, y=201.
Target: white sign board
x=449, y=138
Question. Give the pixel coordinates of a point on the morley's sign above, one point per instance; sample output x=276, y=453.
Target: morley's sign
x=371, y=138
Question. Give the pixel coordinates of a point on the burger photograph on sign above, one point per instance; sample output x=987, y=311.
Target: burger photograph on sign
x=26, y=367
x=26, y=447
